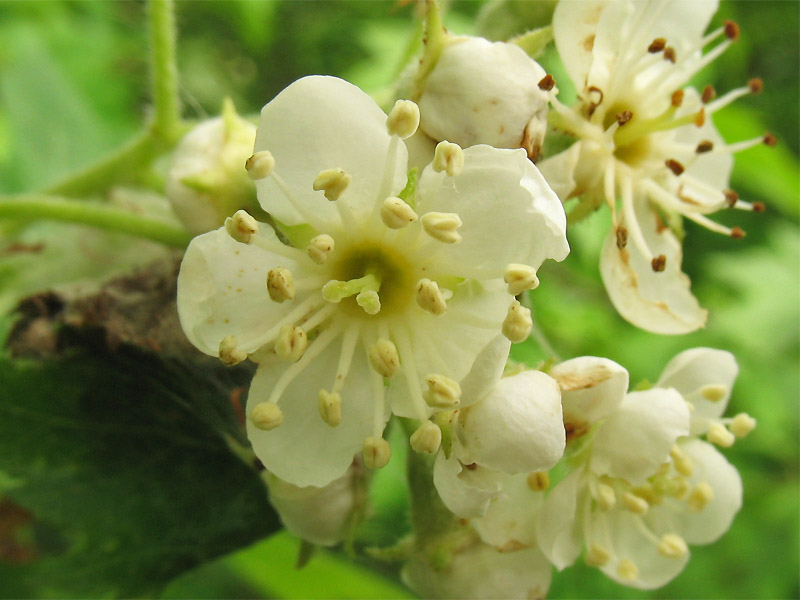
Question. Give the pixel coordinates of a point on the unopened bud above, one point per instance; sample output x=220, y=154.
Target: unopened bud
x=376, y=452
x=332, y=182
x=396, y=213
x=319, y=248
x=229, y=354
x=291, y=343
x=266, y=416
x=448, y=157
x=280, y=284
x=442, y=226
x=241, y=226
x=520, y=278
x=403, y=119
x=260, y=165
x=518, y=323
x=330, y=407
x=427, y=438
x=384, y=358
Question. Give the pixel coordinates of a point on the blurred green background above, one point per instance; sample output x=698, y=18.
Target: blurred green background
x=73, y=86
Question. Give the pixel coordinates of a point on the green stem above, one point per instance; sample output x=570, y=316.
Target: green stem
x=109, y=218
x=163, y=70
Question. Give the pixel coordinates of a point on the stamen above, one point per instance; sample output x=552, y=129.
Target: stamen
x=266, y=415
x=319, y=248
x=606, y=497
x=403, y=119
x=704, y=146
x=700, y=118
x=426, y=439
x=597, y=555
x=731, y=197
x=547, y=83
x=672, y=546
x=376, y=452
x=442, y=226
x=683, y=463
x=657, y=45
x=699, y=497
x=241, y=226
x=538, y=481
x=669, y=54
x=717, y=434
x=520, y=278
x=756, y=85
x=330, y=407
x=260, y=165
x=677, y=98
x=737, y=233
x=770, y=140
x=674, y=166
x=410, y=371
x=384, y=358
x=305, y=308
x=396, y=214
x=332, y=182
x=709, y=93
x=430, y=297
x=622, y=237
x=731, y=29
x=448, y=157
x=378, y=404
x=714, y=392
x=229, y=354
x=635, y=504
x=292, y=343
x=442, y=392
x=659, y=263
x=742, y=424
x=627, y=570
x=349, y=341
x=518, y=323
x=280, y=284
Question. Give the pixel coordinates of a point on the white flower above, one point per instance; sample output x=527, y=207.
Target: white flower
x=390, y=291
x=647, y=139
x=207, y=181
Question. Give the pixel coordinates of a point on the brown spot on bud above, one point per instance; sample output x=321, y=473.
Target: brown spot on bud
x=731, y=29
x=622, y=237
x=756, y=85
x=674, y=166
x=737, y=233
x=731, y=197
x=704, y=146
x=709, y=93
x=700, y=117
x=657, y=45
x=669, y=54
x=624, y=117
x=770, y=140
x=759, y=207
x=659, y=263
x=677, y=98
x=547, y=83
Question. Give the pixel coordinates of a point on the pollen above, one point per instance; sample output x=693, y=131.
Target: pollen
x=704, y=146
x=376, y=452
x=677, y=98
x=756, y=85
x=669, y=54
x=396, y=213
x=229, y=354
x=520, y=278
x=332, y=182
x=627, y=570
x=241, y=226
x=442, y=226
x=606, y=497
x=709, y=93
x=518, y=323
x=384, y=358
x=674, y=166
x=430, y=297
x=330, y=407
x=448, y=157
x=699, y=497
x=657, y=45
x=683, y=464
x=714, y=392
x=291, y=343
x=742, y=424
x=280, y=284
x=427, y=438
x=266, y=415
x=659, y=263
x=442, y=392
x=717, y=434
x=260, y=165
x=731, y=30
x=547, y=83
x=597, y=555
x=319, y=248
x=634, y=503
x=672, y=545
x=538, y=481
x=403, y=120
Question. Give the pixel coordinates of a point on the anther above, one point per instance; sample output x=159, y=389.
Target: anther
x=624, y=117
x=759, y=207
x=669, y=54
x=448, y=157
x=547, y=83
x=700, y=118
x=241, y=226
x=427, y=438
x=683, y=464
x=672, y=546
x=442, y=226
x=442, y=392
x=606, y=497
x=332, y=182
x=674, y=166
x=770, y=140
x=657, y=45
x=717, y=434
x=229, y=354
x=518, y=323
x=659, y=263
x=731, y=29
x=634, y=503
x=622, y=237
x=376, y=452
x=677, y=98
x=709, y=93
x=260, y=165
x=627, y=570
x=704, y=146
x=319, y=248
x=384, y=358
x=714, y=392
x=280, y=284
x=742, y=424
x=291, y=343
x=266, y=415
x=403, y=119
x=520, y=278
x=700, y=496
x=430, y=297
x=370, y=301
x=597, y=555
x=730, y=197
x=330, y=407
x=756, y=85
x=396, y=213
x=737, y=233
x=538, y=481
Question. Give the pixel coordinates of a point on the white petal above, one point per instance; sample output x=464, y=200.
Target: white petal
x=658, y=302
x=482, y=573
x=558, y=529
x=222, y=290
x=510, y=520
x=591, y=388
x=559, y=171
x=517, y=427
x=304, y=450
x=636, y=440
x=320, y=123
x=485, y=372
x=574, y=29
x=691, y=371
x=465, y=492
x=509, y=213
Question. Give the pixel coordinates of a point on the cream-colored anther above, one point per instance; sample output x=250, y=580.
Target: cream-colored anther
x=518, y=323
x=319, y=248
x=427, y=438
x=597, y=555
x=442, y=226
x=241, y=226
x=376, y=452
x=520, y=278
x=229, y=354
x=719, y=435
x=700, y=496
x=634, y=503
x=683, y=463
x=714, y=392
x=539, y=481
x=442, y=392
x=742, y=424
x=627, y=570
x=280, y=284
x=448, y=157
x=672, y=546
x=606, y=497
x=430, y=297
x=260, y=165
x=330, y=407
x=332, y=182
x=396, y=213
x=403, y=119
x=266, y=415
x=384, y=358
x=370, y=301
x=291, y=343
